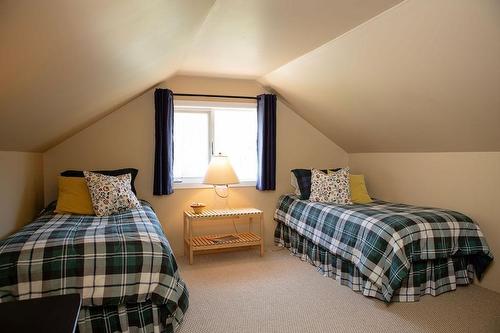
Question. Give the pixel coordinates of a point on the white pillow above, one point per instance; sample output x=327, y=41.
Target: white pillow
x=295, y=184
x=333, y=187
x=110, y=194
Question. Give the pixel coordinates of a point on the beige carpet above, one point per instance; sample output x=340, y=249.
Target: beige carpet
x=241, y=292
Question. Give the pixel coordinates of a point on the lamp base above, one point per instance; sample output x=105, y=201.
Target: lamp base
x=222, y=190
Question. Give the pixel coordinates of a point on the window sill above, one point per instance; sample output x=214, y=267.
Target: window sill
x=186, y=186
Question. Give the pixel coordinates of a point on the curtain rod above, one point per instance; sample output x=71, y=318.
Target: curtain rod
x=216, y=96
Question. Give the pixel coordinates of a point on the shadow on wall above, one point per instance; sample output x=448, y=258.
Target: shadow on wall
x=29, y=198
x=21, y=190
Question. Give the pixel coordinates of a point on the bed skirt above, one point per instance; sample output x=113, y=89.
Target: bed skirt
x=140, y=317
x=430, y=277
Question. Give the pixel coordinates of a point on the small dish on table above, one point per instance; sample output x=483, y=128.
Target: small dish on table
x=198, y=207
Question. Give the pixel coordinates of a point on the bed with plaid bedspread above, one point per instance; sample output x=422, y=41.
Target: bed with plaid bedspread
x=383, y=241
x=122, y=266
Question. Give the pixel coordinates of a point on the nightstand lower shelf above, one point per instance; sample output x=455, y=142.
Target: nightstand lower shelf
x=206, y=242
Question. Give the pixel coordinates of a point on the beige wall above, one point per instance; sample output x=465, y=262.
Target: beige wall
x=465, y=182
x=21, y=189
x=125, y=138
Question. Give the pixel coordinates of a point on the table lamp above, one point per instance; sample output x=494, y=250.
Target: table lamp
x=220, y=174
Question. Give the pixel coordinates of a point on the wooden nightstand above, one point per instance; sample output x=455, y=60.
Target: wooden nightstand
x=194, y=244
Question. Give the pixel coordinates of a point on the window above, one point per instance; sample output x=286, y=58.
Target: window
x=203, y=129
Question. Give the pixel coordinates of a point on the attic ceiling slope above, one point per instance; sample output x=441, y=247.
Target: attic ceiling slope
x=248, y=39
x=64, y=64
x=423, y=76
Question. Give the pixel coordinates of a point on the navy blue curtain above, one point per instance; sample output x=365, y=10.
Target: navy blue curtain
x=266, y=142
x=164, y=142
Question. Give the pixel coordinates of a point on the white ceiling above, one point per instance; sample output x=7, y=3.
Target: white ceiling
x=423, y=75
x=242, y=38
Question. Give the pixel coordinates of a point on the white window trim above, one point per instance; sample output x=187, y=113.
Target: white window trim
x=207, y=106
x=212, y=105
x=184, y=186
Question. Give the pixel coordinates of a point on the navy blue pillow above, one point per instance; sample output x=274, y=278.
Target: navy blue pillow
x=304, y=181
x=133, y=172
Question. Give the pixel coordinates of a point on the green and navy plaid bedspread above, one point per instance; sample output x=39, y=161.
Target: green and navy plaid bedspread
x=111, y=261
x=382, y=239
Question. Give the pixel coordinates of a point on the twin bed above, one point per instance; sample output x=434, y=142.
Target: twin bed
x=392, y=252
x=121, y=265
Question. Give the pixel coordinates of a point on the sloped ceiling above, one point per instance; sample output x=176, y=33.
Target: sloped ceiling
x=423, y=76
x=64, y=64
x=242, y=38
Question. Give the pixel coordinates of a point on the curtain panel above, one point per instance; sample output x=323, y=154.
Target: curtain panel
x=266, y=142
x=164, y=142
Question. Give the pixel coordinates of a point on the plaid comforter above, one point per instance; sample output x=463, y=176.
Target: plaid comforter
x=117, y=260
x=382, y=239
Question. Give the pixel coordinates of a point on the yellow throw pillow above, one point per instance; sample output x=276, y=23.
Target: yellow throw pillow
x=359, y=194
x=74, y=196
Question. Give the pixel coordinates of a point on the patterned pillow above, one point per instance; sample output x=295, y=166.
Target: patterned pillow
x=303, y=178
x=110, y=194
x=333, y=187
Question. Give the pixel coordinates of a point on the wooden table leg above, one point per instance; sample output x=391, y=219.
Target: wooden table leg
x=190, y=223
x=261, y=235
x=184, y=238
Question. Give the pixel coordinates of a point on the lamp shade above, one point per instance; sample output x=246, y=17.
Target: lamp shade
x=220, y=172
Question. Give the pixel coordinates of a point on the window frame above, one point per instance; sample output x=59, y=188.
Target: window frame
x=190, y=106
